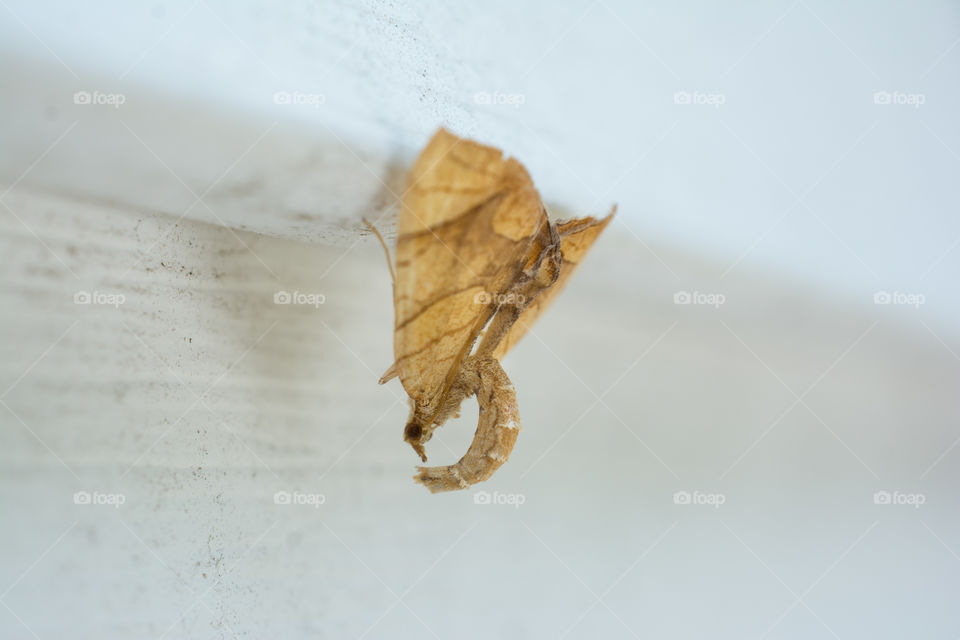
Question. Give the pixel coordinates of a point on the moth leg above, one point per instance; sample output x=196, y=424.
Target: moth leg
x=493, y=441
x=423, y=422
x=540, y=274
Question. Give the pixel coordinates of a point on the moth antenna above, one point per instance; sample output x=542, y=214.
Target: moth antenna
x=386, y=250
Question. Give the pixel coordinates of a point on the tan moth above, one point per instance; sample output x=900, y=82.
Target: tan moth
x=477, y=262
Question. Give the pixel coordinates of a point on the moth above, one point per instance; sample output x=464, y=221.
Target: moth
x=477, y=262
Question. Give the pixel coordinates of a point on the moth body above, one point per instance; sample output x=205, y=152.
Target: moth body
x=477, y=261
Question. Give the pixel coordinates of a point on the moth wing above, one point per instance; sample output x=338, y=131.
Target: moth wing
x=468, y=218
x=389, y=374
x=576, y=238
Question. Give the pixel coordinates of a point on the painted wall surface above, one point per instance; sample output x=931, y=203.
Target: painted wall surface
x=726, y=434
x=815, y=139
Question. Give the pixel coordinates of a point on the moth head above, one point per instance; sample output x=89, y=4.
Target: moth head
x=414, y=434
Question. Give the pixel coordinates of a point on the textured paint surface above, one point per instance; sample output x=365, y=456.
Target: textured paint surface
x=696, y=466
x=749, y=133
x=665, y=399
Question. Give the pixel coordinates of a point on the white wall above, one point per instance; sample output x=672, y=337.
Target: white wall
x=798, y=170
x=197, y=398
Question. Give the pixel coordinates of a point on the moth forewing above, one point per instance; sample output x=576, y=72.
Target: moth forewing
x=576, y=237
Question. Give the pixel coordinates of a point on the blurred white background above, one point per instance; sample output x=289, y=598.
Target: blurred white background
x=788, y=162
x=793, y=164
